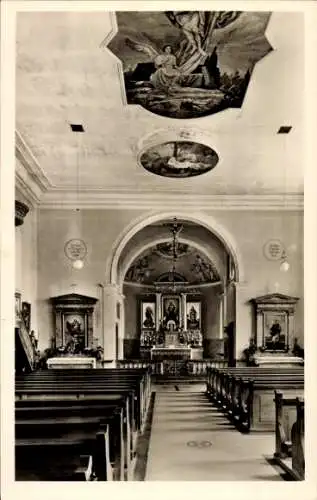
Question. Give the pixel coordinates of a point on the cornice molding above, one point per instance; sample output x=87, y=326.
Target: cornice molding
x=29, y=176
x=99, y=199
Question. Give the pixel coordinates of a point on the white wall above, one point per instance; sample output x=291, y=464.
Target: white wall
x=101, y=228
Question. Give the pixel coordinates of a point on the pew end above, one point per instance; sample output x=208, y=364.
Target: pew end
x=84, y=471
x=289, y=435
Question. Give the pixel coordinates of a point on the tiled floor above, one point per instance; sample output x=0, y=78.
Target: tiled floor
x=192, y=441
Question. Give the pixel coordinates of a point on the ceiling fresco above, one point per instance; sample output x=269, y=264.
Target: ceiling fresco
x=154, y=265
x=179, y=159
x=188, y=64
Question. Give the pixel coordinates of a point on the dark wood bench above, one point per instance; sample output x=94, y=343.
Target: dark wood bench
x=48, y=421
x=77, y=384
x=246, y=395
x=289, y=434
x=51, y=408
x=141, y=377
x=56, y=392
x=55, y=452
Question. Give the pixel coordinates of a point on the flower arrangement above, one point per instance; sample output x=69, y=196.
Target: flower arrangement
x=52, y=352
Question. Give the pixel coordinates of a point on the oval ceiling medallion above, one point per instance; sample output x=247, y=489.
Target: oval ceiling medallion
x=179, y=159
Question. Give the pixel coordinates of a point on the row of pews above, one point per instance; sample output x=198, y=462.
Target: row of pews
x=79, y=425
x=265, y=399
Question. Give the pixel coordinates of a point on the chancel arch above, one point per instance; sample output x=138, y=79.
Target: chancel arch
x=144, y=278
x=201, y=220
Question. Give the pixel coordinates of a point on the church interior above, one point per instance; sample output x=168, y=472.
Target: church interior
x=159, y=260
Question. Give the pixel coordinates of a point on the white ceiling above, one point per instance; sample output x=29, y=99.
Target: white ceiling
x=63, y=76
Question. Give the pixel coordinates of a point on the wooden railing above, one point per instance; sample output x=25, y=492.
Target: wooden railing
x=27, y=344
x=192, y=368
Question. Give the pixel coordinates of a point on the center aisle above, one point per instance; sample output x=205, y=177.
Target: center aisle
x=192, y=441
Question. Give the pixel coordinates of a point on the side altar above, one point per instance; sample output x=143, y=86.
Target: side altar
x=275, y=332
x=171, y=328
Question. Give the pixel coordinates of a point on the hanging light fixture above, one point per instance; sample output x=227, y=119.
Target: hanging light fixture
x=76, y=249
x=285, y=265
x=175, y=230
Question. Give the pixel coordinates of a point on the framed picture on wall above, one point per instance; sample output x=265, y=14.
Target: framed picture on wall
x=148, y=314
x=275, y=331
x=171, y=309
x=193, y=315
x=74, y=334
x=26, y=315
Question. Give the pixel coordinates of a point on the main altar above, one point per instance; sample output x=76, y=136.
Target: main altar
x=171, y=328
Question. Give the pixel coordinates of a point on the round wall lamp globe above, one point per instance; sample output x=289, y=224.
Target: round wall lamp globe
x=284, y=266
x=78, y=264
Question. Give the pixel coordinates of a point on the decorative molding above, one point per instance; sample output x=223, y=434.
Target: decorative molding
x=112, y=199
x=170, y=134
x=29, y=176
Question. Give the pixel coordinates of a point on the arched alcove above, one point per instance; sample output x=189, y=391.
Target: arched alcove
x=214, y=227
x=209, y=242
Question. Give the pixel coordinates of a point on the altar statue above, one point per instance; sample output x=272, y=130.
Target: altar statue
x=192, y=320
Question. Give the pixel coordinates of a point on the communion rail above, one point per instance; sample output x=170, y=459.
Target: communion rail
x=192, y=368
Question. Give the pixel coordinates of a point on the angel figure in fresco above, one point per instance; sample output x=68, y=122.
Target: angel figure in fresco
x=167, y=73
x=174, y=69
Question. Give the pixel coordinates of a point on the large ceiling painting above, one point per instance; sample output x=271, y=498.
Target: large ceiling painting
x=189, y=64
x=179, y=159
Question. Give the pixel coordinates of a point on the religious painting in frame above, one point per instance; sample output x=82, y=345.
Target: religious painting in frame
x=275, y=332
x=193, y=315
x=171, y=310
x=75, y=331
x=26, y=315
x=148, y=314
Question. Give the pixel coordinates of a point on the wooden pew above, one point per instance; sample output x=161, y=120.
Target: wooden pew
x=289, y=434
x=94, y=386
x=91, y=408
x=140, y=379
x=43, y=423
x=82, y=388
x=246, y=395
x=56, y=453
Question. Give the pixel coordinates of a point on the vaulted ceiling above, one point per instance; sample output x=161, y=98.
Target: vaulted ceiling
x=65, y=75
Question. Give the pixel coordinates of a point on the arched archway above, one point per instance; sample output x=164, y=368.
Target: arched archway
x=124, y=254
x=208, y=222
